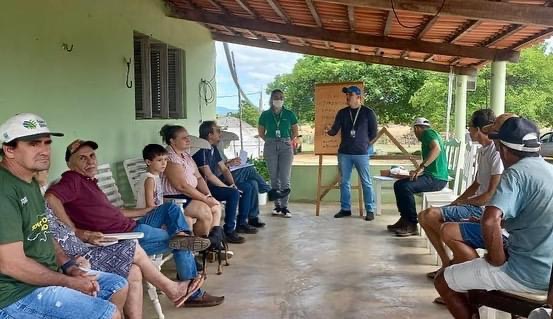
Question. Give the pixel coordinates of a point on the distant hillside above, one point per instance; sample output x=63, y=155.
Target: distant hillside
x=224, y=110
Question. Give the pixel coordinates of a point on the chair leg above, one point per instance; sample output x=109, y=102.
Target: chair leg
x=378, y=194
x=152, y=292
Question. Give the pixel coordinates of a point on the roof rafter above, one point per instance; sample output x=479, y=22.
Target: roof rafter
x=466, y=28
x=278, y=9
x=246, y=8
x=351, y=17
x=350, y=37
x=314, y=13
x=470, y=9
x=344, y=55
x=388, y=24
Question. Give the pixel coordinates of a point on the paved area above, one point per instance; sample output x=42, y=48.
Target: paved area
x=320, y=267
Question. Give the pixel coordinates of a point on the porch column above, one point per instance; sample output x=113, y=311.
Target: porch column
x=499, y=71
x=460, y=107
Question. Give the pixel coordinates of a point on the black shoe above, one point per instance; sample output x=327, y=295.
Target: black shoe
x=284, y=212
x=255, y=222
x=399, y=224
x=408, y=230
x=276, y=194
x=246, y=229
x=343, y=213
x=369, y=216
x=233, y=238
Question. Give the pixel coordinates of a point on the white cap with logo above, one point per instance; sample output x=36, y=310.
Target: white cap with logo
x=24, y=125
x=421, y=121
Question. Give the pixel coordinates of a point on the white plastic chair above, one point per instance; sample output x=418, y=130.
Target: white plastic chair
x=107, y=184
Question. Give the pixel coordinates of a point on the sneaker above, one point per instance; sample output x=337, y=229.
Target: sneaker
x=409, y=230
x=246, y=229
x=343, y=213
x=276, y=211
x=369, y=216
x=276, y=194
x=285, y=213
x=255, y=222
x=399, y=224
x=233, y=238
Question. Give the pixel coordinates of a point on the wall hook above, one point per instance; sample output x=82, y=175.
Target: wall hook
x=128, y=62
x=66, y=47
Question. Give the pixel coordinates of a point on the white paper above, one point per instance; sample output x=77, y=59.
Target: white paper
x=243, y=157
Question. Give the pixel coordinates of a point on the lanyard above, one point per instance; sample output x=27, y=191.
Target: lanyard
x=279, y=118
x=356, y=114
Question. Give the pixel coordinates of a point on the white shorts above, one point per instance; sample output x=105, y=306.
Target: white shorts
x=479, y=274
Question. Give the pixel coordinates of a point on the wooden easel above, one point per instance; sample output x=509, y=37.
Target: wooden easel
x=322, y=190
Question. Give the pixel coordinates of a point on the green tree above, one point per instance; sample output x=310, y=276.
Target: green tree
x=529, y=90
x=250, y=113
x=387, y=89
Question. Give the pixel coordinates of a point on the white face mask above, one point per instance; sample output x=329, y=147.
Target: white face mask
x=278, y=104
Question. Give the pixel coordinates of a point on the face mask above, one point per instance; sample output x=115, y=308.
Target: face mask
x=278, y=104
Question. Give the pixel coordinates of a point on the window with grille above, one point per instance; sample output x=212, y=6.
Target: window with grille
x=159, y=78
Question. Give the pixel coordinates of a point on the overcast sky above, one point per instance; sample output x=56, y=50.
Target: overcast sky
x=256, y=68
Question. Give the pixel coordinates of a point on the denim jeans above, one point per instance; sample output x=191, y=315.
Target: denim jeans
x=249, y=202
x=232, y=198
x=405, y=191
x=56, y=302
x=361, y=163
x=249, y=173
x=156, y=240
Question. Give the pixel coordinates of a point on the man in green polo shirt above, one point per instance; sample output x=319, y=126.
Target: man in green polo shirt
x=430, y=176
x=30, y=285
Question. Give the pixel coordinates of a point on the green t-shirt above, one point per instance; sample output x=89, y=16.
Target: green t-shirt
x=438, y=168
x=284, y=121
x=23, y=218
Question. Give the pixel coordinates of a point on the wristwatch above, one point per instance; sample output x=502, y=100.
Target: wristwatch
x=68, y=264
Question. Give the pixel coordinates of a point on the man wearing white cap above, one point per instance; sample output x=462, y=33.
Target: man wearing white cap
x=430, y=176
x=30, y=284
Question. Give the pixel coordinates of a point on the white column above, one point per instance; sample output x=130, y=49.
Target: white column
x=499, y=72
x=460, y=107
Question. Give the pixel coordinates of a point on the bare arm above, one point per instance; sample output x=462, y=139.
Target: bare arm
x=261, y=131
x=135, y=212
x=484, y=198
x=206, y=171
x=14, y=263
x=471, y=190
x=175, y=175
x=226, y=173
x=149, y=189
x=433, y=154
x=491, y=231
x=294, y=131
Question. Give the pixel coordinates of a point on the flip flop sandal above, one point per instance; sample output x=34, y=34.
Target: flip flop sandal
x=439, y=301
x=191, y=243
x=193, y=286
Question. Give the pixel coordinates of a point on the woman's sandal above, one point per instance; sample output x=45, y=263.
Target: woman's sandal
x=193, y=286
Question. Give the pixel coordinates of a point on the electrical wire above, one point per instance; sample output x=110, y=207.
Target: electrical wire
x=417, y=26
x=206, y=91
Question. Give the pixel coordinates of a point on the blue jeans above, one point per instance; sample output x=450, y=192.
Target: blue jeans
x=406, y=189
x=249, y=202
x=248, y=174
x=156, y=240
x=56, y=302
x=361, y=163
x=232, y=198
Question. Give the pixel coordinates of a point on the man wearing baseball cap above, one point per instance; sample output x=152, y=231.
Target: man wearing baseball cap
x=430, y=176
x=31, y=285
x=522, y=203
x=358, y=127
x=78, y=201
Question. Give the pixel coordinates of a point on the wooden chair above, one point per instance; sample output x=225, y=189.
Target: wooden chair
x=517, y=304
x=107, y=184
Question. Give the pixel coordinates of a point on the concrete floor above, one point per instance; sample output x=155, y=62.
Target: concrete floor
x=320, y=267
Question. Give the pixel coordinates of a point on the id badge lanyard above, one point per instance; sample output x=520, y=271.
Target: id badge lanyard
x=352, y=132
x=277, y=122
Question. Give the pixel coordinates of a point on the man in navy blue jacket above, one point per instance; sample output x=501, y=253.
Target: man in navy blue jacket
x=358, y=127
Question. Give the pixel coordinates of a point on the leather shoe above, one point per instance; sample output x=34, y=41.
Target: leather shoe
x=276, y=194
x=206, y=300
x=255, y=222
x=246, y=229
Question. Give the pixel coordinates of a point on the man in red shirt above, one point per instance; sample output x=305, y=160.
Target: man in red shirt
x=78, y=201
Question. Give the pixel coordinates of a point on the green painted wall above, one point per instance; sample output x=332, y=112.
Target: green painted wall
x=82, y=93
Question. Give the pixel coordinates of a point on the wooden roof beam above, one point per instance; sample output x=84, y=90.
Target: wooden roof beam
x=344, y=55
x=537, y=38
x=349, y=37
x=470, y=9
x=351, y=17
x=278, y=9
x=466, y=28
x=314, y=13
x=219, y=6
x=246, y=8
x=512, y=29
x=427, y=26
x=388, y=23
